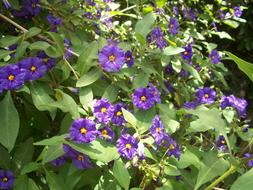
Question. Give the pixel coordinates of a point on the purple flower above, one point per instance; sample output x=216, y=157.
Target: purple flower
x=175, y=10
x=187, y=54
x=54, y=22
x=6, y=179
x=83, y=130
x=103, y=110
x=118, y=118
x=214, y=56
x=111, y=58
x=60, y=160
x=88, y=15
x=237, y=11
x=49, y=62
x=11, y=77
x=129, y=58
x=221, y=143
x=206, y=95
x=7, y=4
x=172, y=145
x=173, y=26
x=156, y=93
x=143, y=98
x=221, y=14
x=33, y=67
x=191, y=105
x=157, y=35
x=157, y=130
x=90, y=2
x=106, y=133
x=237, y=103
x=127, y=146
x=30, y=9
x=168, y=86
x=169, y=69
x=250, y=162
x=189, y=14
x=67, y=44
x=140, y=151
x=183, y=73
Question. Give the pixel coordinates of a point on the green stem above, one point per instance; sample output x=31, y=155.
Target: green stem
x=231, y=170
x=71, y=68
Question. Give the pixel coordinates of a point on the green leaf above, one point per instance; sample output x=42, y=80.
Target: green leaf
x=40, y=97
x=111, y=92
x=58, y=40
x=9, y=40
x=141, y=80
x=211, y=168
x=21, y=49
x=66, y=103
x=188, y=158
x=144, y=26
x=173, y=50
x=231, y=23
x=52, y=153
x=32, y=166
x=55, y=182
x=144, y=119
x=89, y=78
x=222, y=35
x=5, y=158
x=98, y=150
x=51, y=141
x=24, y=152
x=33, y=32
x=121, y=174
x=9, y=124
x=88, y=58
x=208, y=119
x=129, y=117
x=244, y=182
x=85, y=96
x=39, y=45
x=4, y=53
x=244, y=66
x=194, y=72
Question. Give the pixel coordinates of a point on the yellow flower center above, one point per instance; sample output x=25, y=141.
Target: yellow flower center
x=143, y=98
x=172, y=26
x=104, y=132
x=158, y=130
x=128, y=146
x=11, y=77
x=103, y=110
x=80, y=157
x=45, y=60
x=33, y=68
x=83, y=130
x=119, y=113
x=235, y=102
x=128, y=58
x=111, y=58
x=206, y=95
x=172, y=147
x=185, y=53
x=5, y=179
x=222, y=142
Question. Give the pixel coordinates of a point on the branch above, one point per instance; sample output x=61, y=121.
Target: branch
x=24, y=30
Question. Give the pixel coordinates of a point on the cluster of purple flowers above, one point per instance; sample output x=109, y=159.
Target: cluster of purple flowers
x=13, y=76
x=145, y=98
x=237, y=11
x=203, y=96
x=112, y=58
x=237, y=103
x=250, y=162
x=29, y=9
x=6, y=179
x=162, y=139
x=157, y=36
